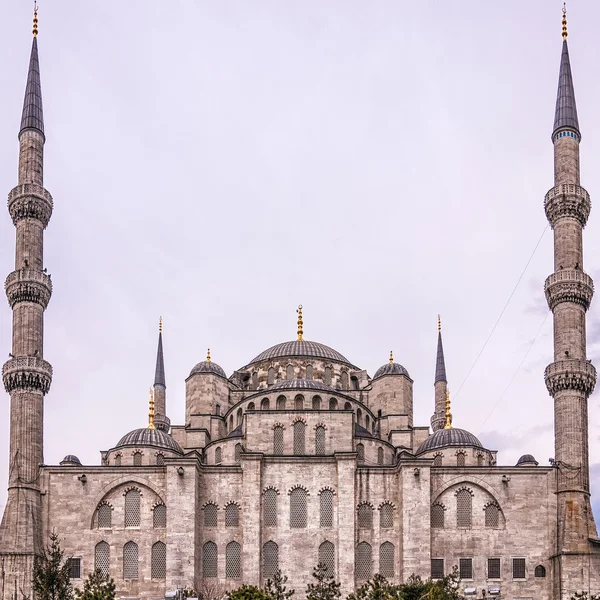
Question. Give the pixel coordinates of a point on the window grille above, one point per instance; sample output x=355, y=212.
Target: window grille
x=298, y=403
x=386, y=516
x=130, y=561
x=104, y=516
x=360, y=451
x=387, y=560
x=278, y=440
x=137, y=459
x=333, y=404
x=237, y=456
x=379, y=456
x=309, y=371
x=158, y=567
x=327, y=375
x=218, y=456
x=232, y=517
x=118, y=460
x=74, y=566
x=298, y=508
x=281, y=403
x=316, y=403
x=233, y=561
x=480, y=460
x=464, y=509
x=518, y=568
x=460, y=459
x=347, y=406
x=238, y=418
x=326, y=504
x=365, y=516
x=265, y=405
x=465, y=567
x=102, y=557
x=320, y=440
x=367, y=421
x=437, y=461
x=493, y=568
x=363, y=567
x=289, y=372
x=270, y=559
x=132, y=508
x=437, y=568
x=270, y=508
x=299, y=438
x=540, y=571
x=160, y=460
x=210, y=515
x=271, y=376
x=209, y=559
x=492, y=516
x=327, y=557
x=159, y=518
x=344, y=380
x=437, y=516
x=359, y=416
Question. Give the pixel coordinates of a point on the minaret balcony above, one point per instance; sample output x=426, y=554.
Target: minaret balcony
x=28, y=285
x=27, y=373
x=569, y=285
x=572, y=375
x=567, y=200
x=30, y=201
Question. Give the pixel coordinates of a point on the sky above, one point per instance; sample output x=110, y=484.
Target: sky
x=219, y=163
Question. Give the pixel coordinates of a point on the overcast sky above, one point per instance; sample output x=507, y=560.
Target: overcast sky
x=218, y=163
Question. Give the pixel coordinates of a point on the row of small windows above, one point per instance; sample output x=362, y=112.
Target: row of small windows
x=158, y=560
x=237, y=454
x=460, y=459
x=232, y=515
x=566, y=134
x=233, y=560
x=132, y=512
x=137, y=459
x=465, y=568
x=290, y=373
x=363, y=561
x=464, y=512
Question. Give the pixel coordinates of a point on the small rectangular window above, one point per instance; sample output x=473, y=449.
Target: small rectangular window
x=218, y=409
x=74, y=565
x=493, y=568
x=465, y=566
x=437, y=568
x=518, y=568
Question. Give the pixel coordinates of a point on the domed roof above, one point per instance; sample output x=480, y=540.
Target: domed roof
x=150, y=437
x=301, y=384
x=527, y=459
x=70, y=460
x=301, y=348
x=449, y=437
x=391, y=369
x=208, y=366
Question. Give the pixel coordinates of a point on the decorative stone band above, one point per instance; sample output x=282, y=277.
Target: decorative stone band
x=567, y=200
x=28, y=373
x=32, y=201
x=28, y=285
x=162, y=423
x=569, y=285
x=572, y=374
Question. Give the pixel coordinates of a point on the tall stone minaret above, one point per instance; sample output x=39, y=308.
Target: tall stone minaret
x=26, y=375
x=440, y=385
x=161, y=421
x=570, y=379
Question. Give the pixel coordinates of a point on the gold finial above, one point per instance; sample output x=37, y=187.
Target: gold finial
x=300, y=330
x=439, y=323
x=208, y=355
x=151, y=411
x=35, y=20
x=391, y=357
x=564, y=22
x=160, y=325
x=448, y=424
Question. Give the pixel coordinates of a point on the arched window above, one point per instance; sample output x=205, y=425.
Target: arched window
x=160, y=460
x=437, y=516
x=320, y=440
x=365, y=516
x=298, y=508
x=233, y=561
x=264, y=405
x=159, y=516
x=360, y=452
x=309, y=371
x=327, y=557
x=118, y=460
x=460, y=459
x=130, y=561
x=102, y=557
x=271, y=376
x=132, y=508
x=367, y=422
x=464, y=509
x=492, y=516
x=540, y=571
x=327, y=376
x=437, y=460
x=209, y=559
x=278, y=440
x=251, y=406
x=364, y=566
x=299, y=438
x=230, y=423
x=232, y=518
x=333, y=404
x=270, y=508
x=104, y=516
x=359, y=416
x=218, y=456
x=281, y=403
x=158, y=568
x=270, y=559
x=239, y=417
x=379, y=456
x=480, y=460
x=316, y=403
x=289, y=372
x=299, y=402
x=326, y=505
x=237, y=453
x=254, y=380
x=386, y=516
x=387, y=560
x=210, y=515
x=217, y=409
x=354, y=380
x=344, y=380
x=137, y=459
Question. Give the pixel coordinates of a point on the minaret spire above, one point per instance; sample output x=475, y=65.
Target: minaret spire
x=440, y=383
x=33, y=112
x=161, y=421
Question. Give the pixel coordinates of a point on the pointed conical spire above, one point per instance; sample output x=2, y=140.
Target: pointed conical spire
x=440, y=365
x=159, y=374
x=33, y=113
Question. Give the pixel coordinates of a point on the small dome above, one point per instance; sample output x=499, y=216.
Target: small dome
x=449, y=437
x=391, y=369
x=208, y=367
x=70, y=460
x=150, y=437
x=527, y=460
x=301, y=348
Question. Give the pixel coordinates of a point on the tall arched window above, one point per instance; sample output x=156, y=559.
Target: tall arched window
x=271, y=376
x=159, y=516
x=278, y=440
x=359, y=416
x=364, y=562
x=365, y=516
x=239, y=416
x=209, y=559
x=387, y=560
x=464, y=509
x=251, y=406
x=386, y=516
x=130, y=560
x=437, y=516
x=344, y=380
x=320, y=440
x=137, y=459
x=237, y=453
x=270, y=508
x=104, y=516
x=309, y=371
x=132, y=508
x=480, y=460
x=326, y=506
x=355, y=384
x=367, y=422
x=298, y=508
x=254, y=380
x=102, y=557
x=437, y=460
x=333, y=404
x=316, y=403
x=210, y=515
x=299, y=437
x=264, y=405
x=492, y=516
x=270, y=559
x=160, y=460
x=158, y=567
x=281, y=403
x=460, y=459
x=289, y=372
x=360, y=453
x=327, y=557
x=118, y=460
x=230, y=423
x=327, y=376
x=218, y=456
x=379, y=456
x=233, y=561
x=299, y=402
x=232, y=515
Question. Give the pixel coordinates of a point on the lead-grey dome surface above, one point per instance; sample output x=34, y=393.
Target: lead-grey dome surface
x=301, y=348
x=208, y=367
x=527, y=459
x=70, y=460
x=391, y=369
x=443, y=438
x=301, y=384
x=150, y=437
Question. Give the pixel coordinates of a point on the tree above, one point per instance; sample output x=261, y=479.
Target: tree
x=275, y=588
x=247, y=592
x=51, y=573
x=97, y=586
x=585, y=596
x=377, y=588
x=325, y=588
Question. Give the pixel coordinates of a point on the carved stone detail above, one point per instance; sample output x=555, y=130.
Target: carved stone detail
x=30, y=200
x=569, y=285
x=572, y=374
x=28, y=373
x=567, y=200
x=28, y=285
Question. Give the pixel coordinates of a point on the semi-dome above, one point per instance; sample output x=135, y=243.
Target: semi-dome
x=301, y=348
x=527, y=460
x=443, y=438
x=70, y=460
x=208, y=366
x=391, y=369
x=150, y=437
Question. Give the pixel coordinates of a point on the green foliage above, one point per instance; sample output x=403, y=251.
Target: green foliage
x=585, y=596
x=325, y=588
x=247, y=592
x=275, y=588
x=51, y=574
x=97, y=586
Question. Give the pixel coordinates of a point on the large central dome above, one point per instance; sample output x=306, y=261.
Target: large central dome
x=301, y=348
